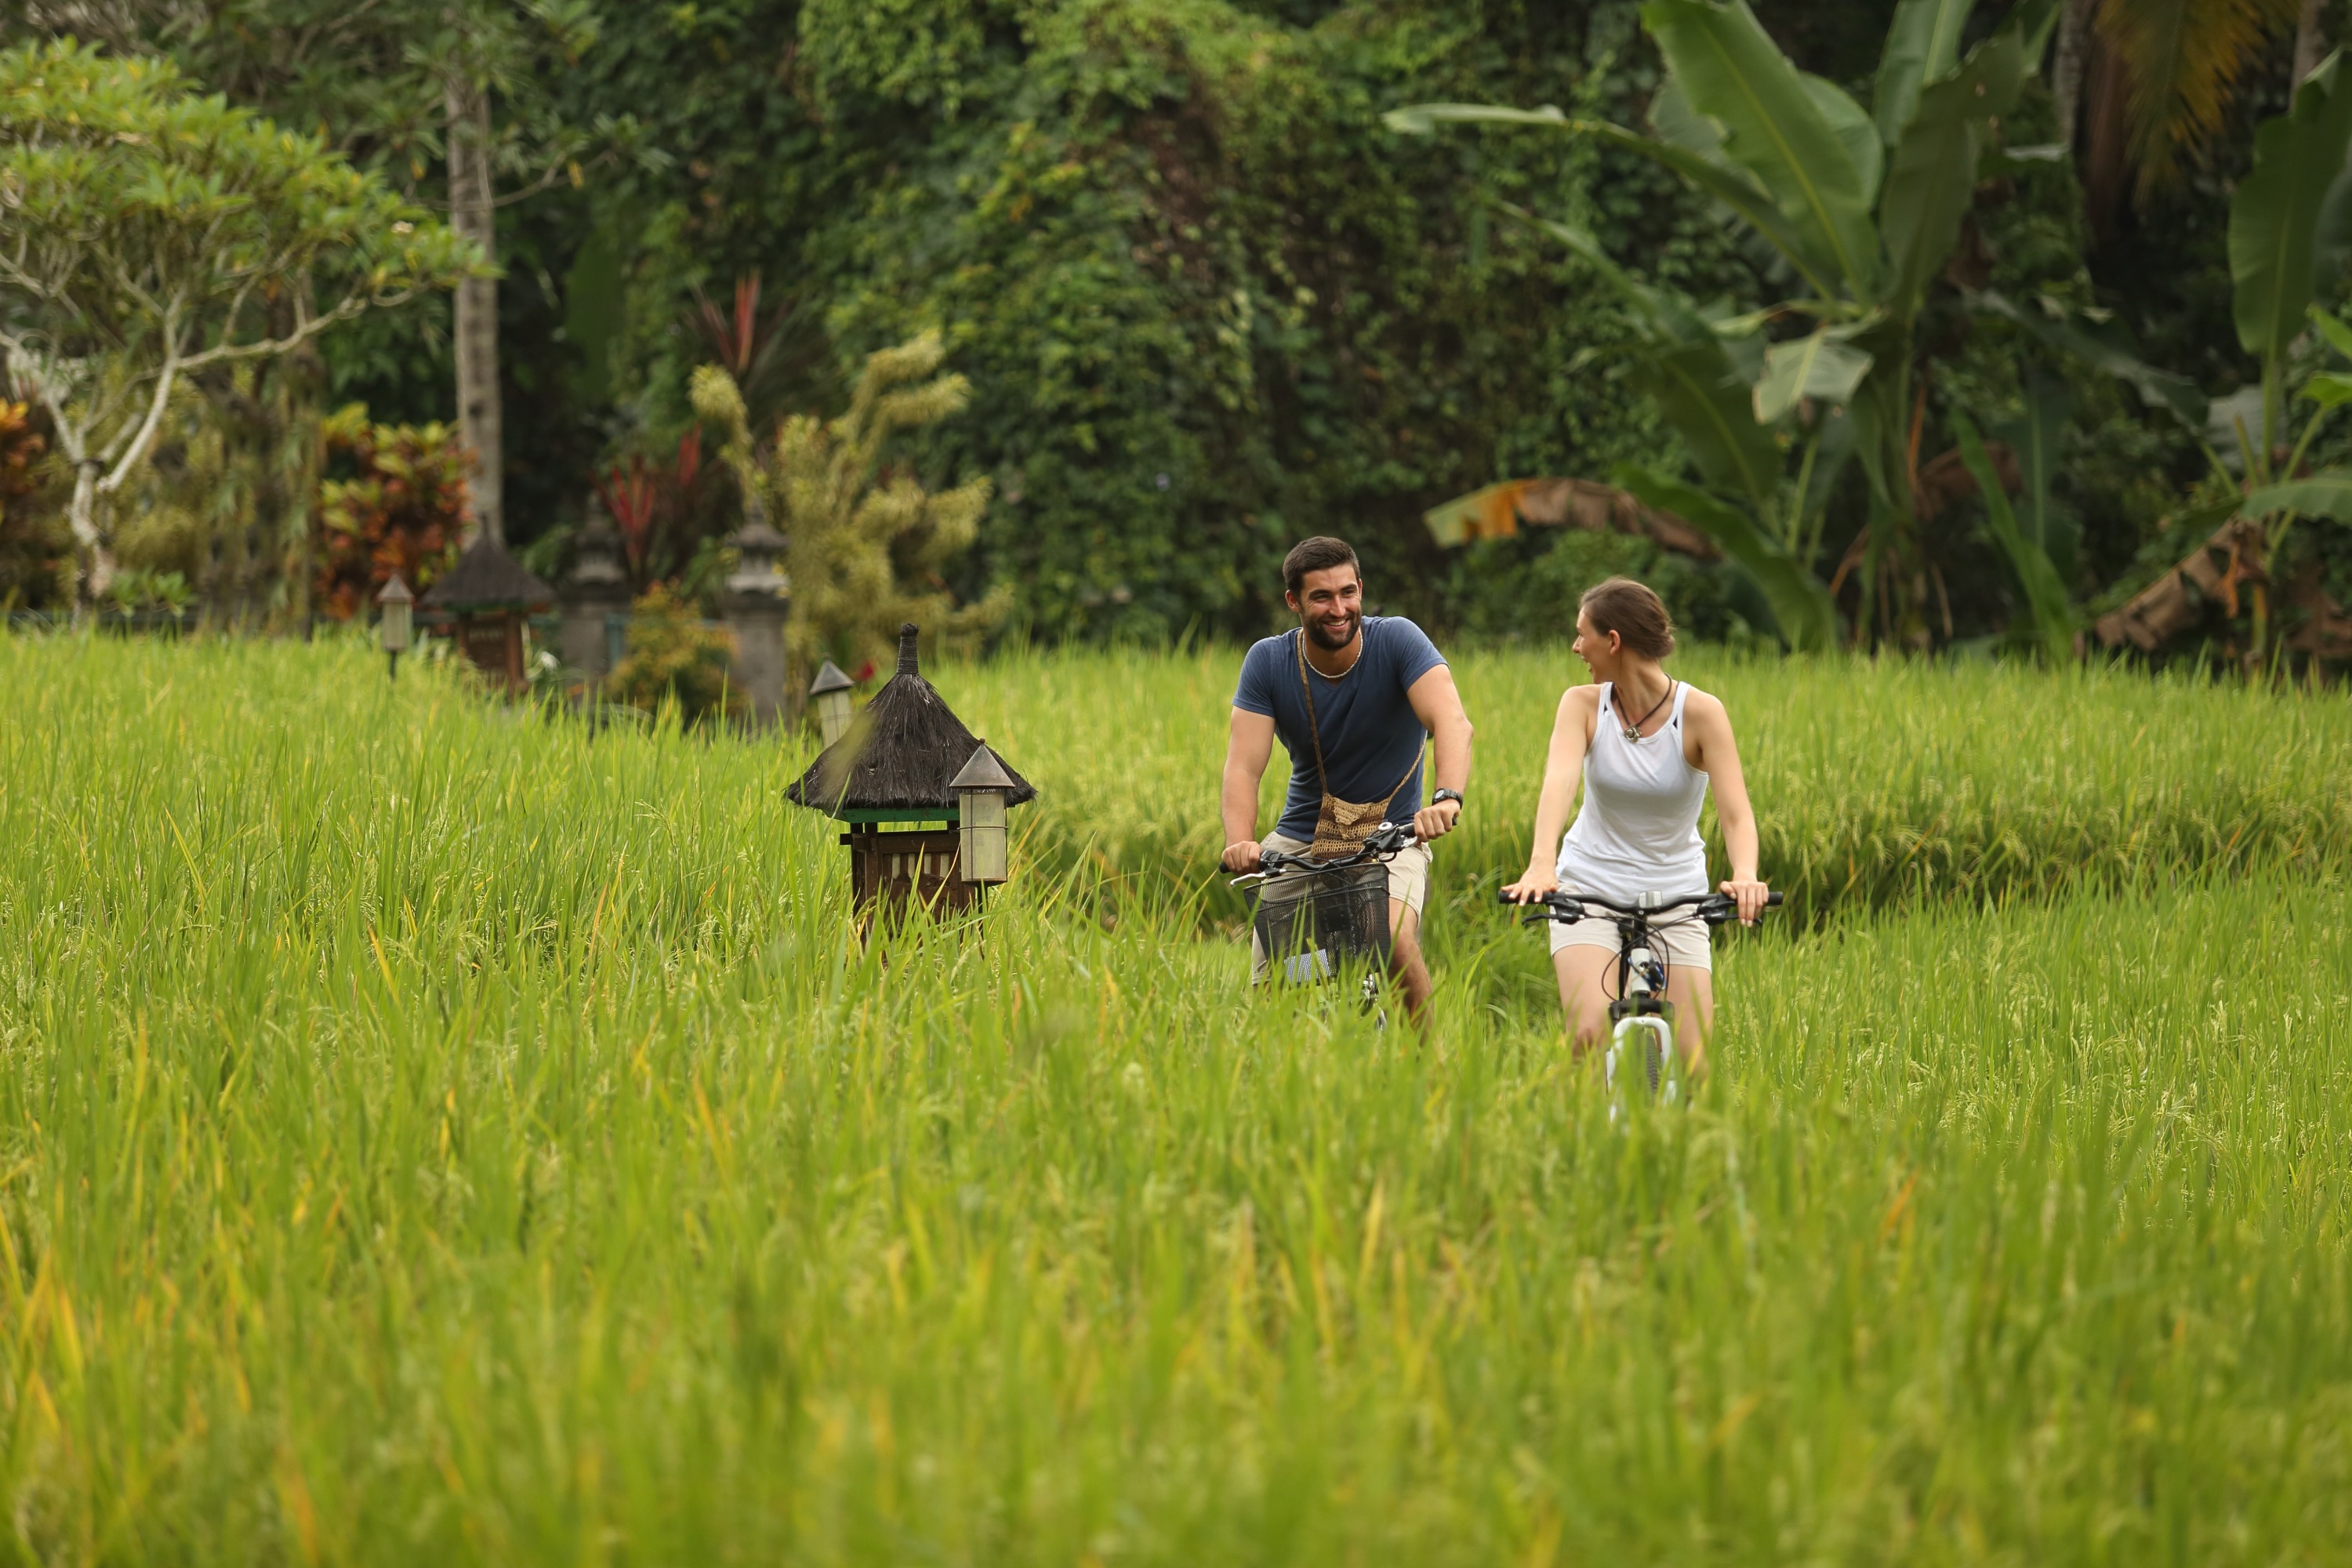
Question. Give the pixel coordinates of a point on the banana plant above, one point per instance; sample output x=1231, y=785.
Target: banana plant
x=1864, y=208
x=2290, y=225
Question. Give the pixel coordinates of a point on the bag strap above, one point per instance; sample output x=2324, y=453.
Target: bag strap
x=1314, y=731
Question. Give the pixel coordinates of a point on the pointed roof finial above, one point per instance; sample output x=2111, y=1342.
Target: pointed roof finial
x=906, y=650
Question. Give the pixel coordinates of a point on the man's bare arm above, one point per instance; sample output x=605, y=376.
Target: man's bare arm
x=1248, y=750
x=1438, y=706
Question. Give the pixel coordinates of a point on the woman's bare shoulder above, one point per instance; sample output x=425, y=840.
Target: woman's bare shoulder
x=1705, y=714
x=1580, y=698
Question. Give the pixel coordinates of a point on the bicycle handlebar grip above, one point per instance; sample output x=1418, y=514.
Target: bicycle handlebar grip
x=1772, y=901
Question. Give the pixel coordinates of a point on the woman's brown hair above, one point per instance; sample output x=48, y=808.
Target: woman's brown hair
x=1636, y=614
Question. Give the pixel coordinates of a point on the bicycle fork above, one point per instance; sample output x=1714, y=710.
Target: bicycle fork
x=1642, y=1029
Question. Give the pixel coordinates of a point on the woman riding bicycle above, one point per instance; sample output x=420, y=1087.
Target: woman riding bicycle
x=1646, y=747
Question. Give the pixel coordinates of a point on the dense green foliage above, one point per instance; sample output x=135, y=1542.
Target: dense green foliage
x=1205, y=300
x=426, y=1136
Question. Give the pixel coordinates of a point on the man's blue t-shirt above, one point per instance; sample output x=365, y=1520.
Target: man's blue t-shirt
x=1370, y=734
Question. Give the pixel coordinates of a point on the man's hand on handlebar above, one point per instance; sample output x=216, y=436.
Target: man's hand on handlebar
x=1436, y=821
x=1749, y=896
x=1243, y=857
x=1534, y=883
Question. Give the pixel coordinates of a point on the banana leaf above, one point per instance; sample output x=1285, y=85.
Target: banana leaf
x=2034, y=436
x=1923, y=44
x=1933, y=182
x=1774, y=128
x=2156, y=388
x=1807, y=618
x=2274, y=215
x=1817, y=366
x=1855, y=132
x=1700, y=393
x=2327, y=495
x=2045, y=594
x=1660, y=313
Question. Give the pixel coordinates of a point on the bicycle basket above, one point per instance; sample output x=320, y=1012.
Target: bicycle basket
x=1308, y=923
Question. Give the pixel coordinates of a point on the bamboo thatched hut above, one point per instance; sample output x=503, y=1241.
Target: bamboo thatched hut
x=892, y=779
x=488, y=596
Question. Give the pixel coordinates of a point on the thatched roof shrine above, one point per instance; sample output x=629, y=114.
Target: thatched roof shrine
x=900, y=760
x=487, y=578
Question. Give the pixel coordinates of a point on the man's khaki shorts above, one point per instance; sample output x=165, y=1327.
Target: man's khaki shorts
x=1408, y=883
x=1683, y=942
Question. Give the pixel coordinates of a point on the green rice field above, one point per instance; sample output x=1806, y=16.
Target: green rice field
x=436, y=1134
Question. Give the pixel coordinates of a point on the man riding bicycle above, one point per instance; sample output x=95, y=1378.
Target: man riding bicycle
x=1353, y=698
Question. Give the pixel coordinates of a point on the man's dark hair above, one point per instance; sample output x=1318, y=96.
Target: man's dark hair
x=1316, y=554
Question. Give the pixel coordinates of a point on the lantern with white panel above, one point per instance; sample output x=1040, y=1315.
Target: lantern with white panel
x=398, y=609
x=830, y=691
x=982, y=790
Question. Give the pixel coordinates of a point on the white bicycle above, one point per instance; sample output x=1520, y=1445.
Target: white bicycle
x=1640, y=1019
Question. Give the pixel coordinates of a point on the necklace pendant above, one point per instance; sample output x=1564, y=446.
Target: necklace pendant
x=1633, y=732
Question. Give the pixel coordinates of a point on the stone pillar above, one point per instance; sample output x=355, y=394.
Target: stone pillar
x=753, y=604
x=595, y=590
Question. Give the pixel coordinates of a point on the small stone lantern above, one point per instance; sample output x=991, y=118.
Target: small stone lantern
x=897, y=780
x=398, y=608
x=755, y=601
x=981, y=789
x=830, y=692
x=595, y=600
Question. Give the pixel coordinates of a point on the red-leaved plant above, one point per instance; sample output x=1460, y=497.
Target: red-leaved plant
x=654, y=509
x=402, y=507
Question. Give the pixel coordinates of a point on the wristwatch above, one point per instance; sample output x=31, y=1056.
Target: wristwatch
x=1442, y=796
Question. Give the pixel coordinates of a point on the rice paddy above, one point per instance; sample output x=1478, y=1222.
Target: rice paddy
x=435, y=1133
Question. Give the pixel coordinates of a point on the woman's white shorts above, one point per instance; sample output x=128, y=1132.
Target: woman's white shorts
x=1684, y=939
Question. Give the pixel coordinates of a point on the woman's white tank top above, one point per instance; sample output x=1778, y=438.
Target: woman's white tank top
x=1637, y=832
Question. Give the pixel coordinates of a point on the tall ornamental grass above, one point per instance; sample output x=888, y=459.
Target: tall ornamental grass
x=1877, y=785
x=429, y=1135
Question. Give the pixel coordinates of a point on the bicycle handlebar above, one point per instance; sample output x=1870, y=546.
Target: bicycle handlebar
x=1715, y=909
x=1383, y=844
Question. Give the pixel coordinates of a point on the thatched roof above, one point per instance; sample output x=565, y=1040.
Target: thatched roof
x=487, y=578
x=902, y=754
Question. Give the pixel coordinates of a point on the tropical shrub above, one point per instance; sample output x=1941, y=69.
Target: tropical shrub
x=676, y=660
x=866, y=541
x=35, y=551
x=401, y=507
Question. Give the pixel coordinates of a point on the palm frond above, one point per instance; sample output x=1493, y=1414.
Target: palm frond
x=2184, y=59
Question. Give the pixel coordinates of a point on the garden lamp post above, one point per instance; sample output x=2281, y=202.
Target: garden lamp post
x=398, y=606
x=830, y=692
x=982, y=791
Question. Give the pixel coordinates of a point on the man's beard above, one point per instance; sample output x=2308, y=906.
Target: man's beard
x=1327, y=640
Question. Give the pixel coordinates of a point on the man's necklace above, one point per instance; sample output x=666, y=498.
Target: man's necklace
x=1633, y=730
x=1358, y=639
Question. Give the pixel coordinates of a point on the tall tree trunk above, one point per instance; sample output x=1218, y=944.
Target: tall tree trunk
x=2308, y=41
x=2066, y=70
x=473, y=215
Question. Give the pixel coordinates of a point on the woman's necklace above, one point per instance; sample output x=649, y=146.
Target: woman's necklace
x=1633, y=730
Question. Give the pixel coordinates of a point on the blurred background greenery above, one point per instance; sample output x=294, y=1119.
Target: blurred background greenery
x=1205, y=301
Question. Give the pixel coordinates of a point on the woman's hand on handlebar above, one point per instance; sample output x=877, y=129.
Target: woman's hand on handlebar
x=1537, y=880
x=1749, y=896
x=1244, y=857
